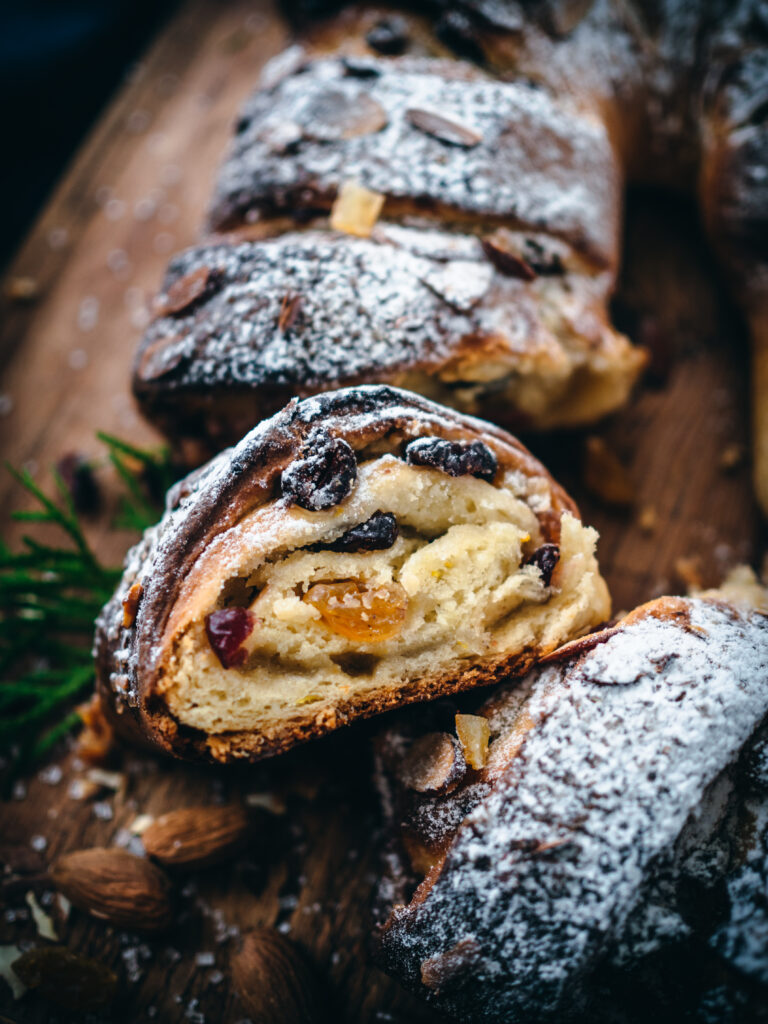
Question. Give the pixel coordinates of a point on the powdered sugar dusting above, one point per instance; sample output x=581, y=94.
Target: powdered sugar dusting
x=404, y=301
x=540, y=162
x=627, y=740
x=205, y=505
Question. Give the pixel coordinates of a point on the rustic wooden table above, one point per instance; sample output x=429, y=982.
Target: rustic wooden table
x=134, y=195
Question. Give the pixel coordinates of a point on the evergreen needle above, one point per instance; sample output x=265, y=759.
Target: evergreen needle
x=50, y=595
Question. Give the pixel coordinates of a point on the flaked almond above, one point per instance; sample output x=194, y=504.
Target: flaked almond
x=289, y=310
x=474, y=734
x=196, y=837
x=442, y=128
x=443, y=970
x=433, y=764
x=184, y=292
x=334, y=115
x=66, y=979
x=502, y=253
x=131, y=604
x=116, y=886
x=160, y=358
x=274, y=980
x=356, y=209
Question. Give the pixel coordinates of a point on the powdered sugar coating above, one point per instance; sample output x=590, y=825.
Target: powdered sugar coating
x=362, y=305
x=540, y=162
x=403, y=301
x=627, y=739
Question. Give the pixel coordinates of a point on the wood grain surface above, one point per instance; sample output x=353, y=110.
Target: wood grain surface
x=135, y=194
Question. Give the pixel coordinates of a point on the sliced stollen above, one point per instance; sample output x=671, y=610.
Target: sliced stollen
x=401, y=220
x=358, y=551
x=547, y=837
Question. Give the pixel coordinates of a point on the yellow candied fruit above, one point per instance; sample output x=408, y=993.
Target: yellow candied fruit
x=359, y=612
x=474, y=732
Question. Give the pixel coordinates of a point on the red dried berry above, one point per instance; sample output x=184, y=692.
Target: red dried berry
x=376, y=534
x=323, y=477
x=456, y=458
x=545, y=559
x=227, y=630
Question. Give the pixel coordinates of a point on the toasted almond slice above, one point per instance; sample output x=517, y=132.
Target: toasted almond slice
x=433, y=764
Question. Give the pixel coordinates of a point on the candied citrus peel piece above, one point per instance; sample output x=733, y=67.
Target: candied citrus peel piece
x=359, y=612
x=474, y=732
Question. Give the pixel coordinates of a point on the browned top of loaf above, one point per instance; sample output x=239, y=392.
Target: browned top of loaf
x=436, y=137
x=313, y=310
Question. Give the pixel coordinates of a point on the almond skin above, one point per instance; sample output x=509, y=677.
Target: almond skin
x=197, y=837
x=116, y=886
x=274, y=980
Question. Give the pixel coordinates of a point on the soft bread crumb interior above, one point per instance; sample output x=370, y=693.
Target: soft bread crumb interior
x=458, y=558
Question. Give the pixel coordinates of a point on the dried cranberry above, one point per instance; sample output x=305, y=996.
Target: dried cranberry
x=456, y=458
x=323, y=477
x=389, y=36
x=227, y=630
x=545, y=559
x=375, y=534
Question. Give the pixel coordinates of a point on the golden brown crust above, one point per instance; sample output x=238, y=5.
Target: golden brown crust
x=131, y=660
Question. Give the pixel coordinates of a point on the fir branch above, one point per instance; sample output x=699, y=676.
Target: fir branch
x=50, y=595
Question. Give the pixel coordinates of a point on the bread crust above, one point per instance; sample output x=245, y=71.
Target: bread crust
x=130, y=659
x=310, y=311
x=541, y=861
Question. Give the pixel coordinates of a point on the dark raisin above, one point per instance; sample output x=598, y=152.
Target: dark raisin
x=545, y=559
x=457, y=31
x=227, y=630
x=77, y=476
x=389, y=36
x=375, y=534
x=323, y=477
x=456, y=458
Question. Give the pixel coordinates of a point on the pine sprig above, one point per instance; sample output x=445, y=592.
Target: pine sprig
x=50, y=595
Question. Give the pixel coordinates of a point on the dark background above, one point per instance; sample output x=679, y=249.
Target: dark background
x=60, y=62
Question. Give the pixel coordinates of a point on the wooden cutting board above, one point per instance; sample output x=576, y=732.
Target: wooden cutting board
x=135, y=194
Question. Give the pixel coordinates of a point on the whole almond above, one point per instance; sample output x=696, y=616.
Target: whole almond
x=196, y=837
x=115, y=885
x=274, y=980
